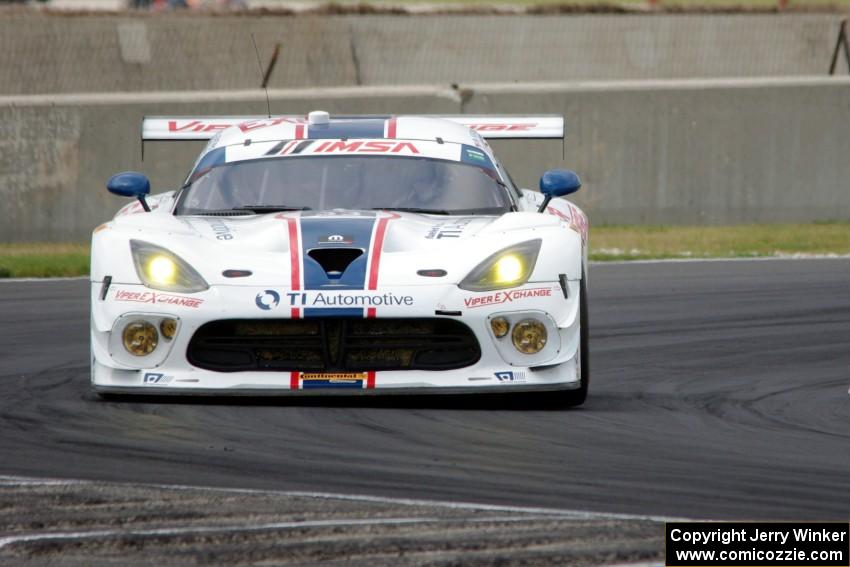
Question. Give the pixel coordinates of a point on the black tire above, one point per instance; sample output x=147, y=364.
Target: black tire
x=572, y=398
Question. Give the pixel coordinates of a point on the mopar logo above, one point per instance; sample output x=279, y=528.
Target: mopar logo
x=336, y=239
x=268, y=299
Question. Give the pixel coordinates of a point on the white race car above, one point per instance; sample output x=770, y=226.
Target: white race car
x=343, y=255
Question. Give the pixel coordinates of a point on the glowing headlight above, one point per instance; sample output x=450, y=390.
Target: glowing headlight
x=162, y=270
x=159, y=268
x=506, y=268
x=529, y=336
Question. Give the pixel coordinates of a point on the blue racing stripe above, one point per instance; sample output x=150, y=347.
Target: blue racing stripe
x=351, y=129
x=325, y=233
x=329, y=233
x=313, y=384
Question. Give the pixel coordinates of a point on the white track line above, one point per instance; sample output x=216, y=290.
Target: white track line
x=46, y=536
x=692, y=260
x=12, y=481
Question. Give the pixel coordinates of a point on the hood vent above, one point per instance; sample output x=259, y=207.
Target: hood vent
x=335, y=260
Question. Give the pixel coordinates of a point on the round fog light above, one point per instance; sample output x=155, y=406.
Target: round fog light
x=168, y=328
x=529, y=336
x=140, y=338
x=500, y=326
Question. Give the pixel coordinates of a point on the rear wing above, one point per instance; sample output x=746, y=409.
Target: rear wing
x=488, y=126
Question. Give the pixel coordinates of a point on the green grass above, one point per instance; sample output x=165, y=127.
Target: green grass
x=43, y=260
x=677, y=4
x=606, y=243
x=738, y=241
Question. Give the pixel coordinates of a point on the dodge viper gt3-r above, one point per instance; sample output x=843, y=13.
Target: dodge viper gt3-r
x=343, y=255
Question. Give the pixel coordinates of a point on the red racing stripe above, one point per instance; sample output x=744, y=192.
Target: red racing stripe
x=371, y=312
x=377, y=245
x=370, y=379
x=294, y=261
x=391, y=128
x=293, y=380
x=299, y=132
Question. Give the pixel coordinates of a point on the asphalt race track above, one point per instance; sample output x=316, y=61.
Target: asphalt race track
x=719, y=390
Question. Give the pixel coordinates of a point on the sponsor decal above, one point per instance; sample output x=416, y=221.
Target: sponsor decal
x=476, y=155
x=320, y=299
x=220, y=229
x=336, y=239
x=267, y=300
x=573, y=217
x=356, y=380
x=448, y=229
x=157, y=298
x=333, y=376
x=506, y=296
x=503, y=127
x=133, y=208
x=156, y=378
x=211, y=126
x=195, y=126
x=360, y=146
x=510, y=376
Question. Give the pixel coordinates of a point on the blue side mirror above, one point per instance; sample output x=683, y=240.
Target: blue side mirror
x=130, y=184
x=557, y=183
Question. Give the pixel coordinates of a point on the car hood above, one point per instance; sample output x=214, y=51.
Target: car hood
x=315, y=250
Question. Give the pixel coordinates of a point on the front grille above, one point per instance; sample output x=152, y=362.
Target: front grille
x=333, y=345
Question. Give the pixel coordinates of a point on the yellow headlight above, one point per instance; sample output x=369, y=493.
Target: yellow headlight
x=500, y=327
x=140, y=338
x=168, y=327
x=529, y=336
x=162, y=270
x=508, y=268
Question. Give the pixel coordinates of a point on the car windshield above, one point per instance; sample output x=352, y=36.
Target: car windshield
x=345, y=182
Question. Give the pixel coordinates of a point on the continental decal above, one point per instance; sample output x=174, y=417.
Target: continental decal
x=333, y=376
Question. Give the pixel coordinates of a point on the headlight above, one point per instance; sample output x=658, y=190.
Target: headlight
x=529, y=336
x=140, y=338
x=161, y=269
x=506, y=268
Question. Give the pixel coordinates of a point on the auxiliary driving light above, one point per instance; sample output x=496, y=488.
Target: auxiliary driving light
x=500, y=327
x=529, y=336
x=168, y=328
x=140, y=338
